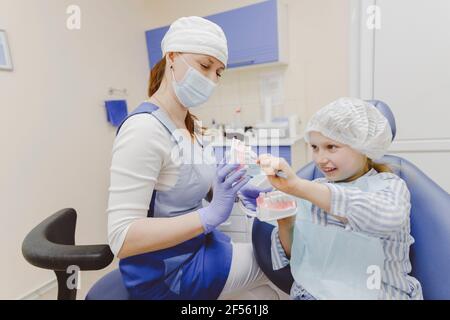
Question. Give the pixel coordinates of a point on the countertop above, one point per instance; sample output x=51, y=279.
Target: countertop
x=255, y=141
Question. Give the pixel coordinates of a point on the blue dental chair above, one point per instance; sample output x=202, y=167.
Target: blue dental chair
x=51, y=244
x=430, y=227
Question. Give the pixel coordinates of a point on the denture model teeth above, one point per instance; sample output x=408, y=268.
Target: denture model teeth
x=240, y=153
x=275, y=205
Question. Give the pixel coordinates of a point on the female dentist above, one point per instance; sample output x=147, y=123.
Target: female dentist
x=167, y=242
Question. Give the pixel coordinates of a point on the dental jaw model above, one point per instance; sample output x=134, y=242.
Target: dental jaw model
x=272, y=206
x=275, y=205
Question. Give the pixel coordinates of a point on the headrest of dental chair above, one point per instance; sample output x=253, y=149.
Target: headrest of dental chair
x=386, y=111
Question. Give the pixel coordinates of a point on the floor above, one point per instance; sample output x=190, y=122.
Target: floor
x=88, y=278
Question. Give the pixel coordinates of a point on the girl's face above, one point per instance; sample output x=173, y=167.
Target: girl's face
x=337, y=161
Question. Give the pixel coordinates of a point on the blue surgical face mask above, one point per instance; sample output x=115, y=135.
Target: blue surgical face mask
x=195, y=89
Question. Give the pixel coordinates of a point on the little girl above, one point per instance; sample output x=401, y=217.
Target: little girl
x=356, y=194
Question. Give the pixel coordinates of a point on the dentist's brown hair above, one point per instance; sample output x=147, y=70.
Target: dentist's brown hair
x=156, y=77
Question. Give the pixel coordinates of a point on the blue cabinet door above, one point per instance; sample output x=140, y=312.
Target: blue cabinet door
x=154, y=38
x=251, y=31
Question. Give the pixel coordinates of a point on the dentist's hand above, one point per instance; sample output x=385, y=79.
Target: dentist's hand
x=226, y=185
x=249, y=193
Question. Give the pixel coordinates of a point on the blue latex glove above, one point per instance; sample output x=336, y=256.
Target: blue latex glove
x=249, y=193
x=226, y=185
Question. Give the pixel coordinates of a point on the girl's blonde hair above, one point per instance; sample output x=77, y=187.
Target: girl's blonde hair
x=379, y=167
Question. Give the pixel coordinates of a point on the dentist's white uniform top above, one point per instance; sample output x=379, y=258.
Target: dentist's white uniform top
x=141, y=163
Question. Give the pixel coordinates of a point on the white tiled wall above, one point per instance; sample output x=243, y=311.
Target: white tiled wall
x=239, y=88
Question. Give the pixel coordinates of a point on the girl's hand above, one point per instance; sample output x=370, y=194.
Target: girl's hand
x=270, y=165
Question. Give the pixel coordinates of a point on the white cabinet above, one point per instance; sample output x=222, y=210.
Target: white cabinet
x=406, y=64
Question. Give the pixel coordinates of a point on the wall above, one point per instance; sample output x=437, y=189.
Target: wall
x=412, y=76
x=55, y=141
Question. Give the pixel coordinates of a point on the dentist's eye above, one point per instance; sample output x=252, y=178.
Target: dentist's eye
x=313, y=147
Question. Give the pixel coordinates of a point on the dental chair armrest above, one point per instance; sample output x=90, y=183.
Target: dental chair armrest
x=59, y=257
x=51, y=245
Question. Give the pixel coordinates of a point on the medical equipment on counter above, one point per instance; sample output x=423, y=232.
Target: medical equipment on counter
x=272, y=130
x=230, y=133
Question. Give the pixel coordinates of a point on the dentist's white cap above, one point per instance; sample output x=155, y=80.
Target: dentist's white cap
x=196, y=35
